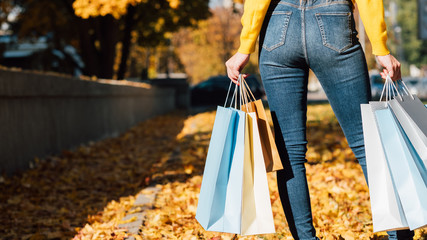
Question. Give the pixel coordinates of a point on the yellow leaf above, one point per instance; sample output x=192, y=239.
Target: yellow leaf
x=132, y=219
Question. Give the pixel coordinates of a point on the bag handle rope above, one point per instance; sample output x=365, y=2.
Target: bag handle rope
x=245, y=94
x=390, y=90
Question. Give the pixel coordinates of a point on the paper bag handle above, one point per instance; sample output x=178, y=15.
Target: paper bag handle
x=389, y=89
x=405, y=88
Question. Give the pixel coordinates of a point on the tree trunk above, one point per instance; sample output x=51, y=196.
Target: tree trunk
x=108, y=31
x=88, y=52
x=126, y=42
x=86, y=31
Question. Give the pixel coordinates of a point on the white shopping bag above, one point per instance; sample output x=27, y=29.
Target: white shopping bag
x=257, y=216
x=387, y=212
x=412, y=116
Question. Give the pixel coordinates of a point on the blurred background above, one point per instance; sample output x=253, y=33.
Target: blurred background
x=78, y=153
x=139, y=40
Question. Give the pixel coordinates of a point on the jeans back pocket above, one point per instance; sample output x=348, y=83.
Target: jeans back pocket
x=276, y=30
x=336, y=30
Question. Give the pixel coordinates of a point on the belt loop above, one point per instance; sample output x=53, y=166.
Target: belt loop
x=304, y=2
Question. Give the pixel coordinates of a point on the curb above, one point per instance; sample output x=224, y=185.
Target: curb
x=144, y=200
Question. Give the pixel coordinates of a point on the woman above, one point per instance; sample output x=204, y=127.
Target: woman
x=298, y=35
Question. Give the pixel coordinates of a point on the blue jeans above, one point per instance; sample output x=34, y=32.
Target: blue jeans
x=318, y=35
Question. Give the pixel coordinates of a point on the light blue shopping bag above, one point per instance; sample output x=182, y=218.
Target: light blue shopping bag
x=407, y=171
x=220, y=200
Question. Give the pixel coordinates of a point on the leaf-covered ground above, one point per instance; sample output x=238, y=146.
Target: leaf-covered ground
x=84, y=193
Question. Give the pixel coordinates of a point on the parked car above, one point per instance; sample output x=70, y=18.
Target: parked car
x=417, y=86
x=423, y=86
x=377, y=84
x=213, y=91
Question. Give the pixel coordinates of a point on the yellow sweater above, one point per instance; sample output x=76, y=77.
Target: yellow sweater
x=371, y=12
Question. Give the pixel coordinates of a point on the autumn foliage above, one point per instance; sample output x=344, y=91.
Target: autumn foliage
x=84, y=193
x=103, y=32
x=204, y=50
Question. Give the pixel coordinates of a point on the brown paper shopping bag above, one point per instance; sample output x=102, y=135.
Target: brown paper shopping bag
x=269, y=148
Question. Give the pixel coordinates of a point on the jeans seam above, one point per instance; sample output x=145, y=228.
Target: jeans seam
x=304, y=44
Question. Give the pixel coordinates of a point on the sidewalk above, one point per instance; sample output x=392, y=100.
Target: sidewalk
x=94, y=184
x=317, y=97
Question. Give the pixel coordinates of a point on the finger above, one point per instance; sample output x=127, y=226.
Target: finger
x=236, y=73
x=399, y=74
x=233, y=75
x=385, y=71
x=396, y=76
x=390, y=73
x=235, y=82
x=230, y=76
x=233, y=79
x=230, y=71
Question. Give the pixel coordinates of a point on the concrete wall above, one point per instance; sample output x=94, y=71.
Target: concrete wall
x=43, y=114
x=181, y=86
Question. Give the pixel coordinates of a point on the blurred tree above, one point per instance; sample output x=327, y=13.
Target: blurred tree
x=95, y=38
x=96, y=27
x=415, y=50
x=151, y=19
x=204, y=50
x=402, y=27
x=6, y=7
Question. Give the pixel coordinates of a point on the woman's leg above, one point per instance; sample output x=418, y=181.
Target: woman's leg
x=337, y=59
x=287, y=101
x=285, y=73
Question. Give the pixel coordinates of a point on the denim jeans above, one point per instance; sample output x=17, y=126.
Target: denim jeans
x=295, y=37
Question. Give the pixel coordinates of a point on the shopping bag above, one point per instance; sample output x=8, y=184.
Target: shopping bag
x=234, y=195
x=226, y=145
x=257, y=216
x=271, y=155
x=407, y=175
x=387, y=212
x=269, y=148
x=412, y=116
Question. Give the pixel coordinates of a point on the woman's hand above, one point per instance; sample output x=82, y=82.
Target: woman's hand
x=235, y=64
x=391, y=67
